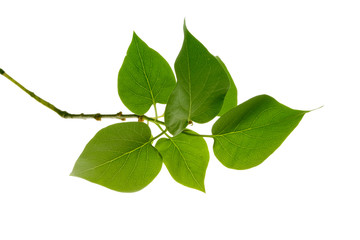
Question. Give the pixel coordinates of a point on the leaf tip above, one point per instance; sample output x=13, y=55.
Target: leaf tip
x=315, y=109
x=185, y=27
x=74, y=172
x=201, y=187
x=135, y=35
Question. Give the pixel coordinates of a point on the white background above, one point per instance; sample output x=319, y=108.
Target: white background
x=304, y=53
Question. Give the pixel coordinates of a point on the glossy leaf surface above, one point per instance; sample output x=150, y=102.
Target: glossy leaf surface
x=230, y=100
x=120, y=157
x=145, y=78
x=186, y=157
x=201, y=87
x=247, y=134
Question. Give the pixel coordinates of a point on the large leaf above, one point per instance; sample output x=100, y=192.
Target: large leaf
x=201, y=87
x=230, y=100
x=186, y=157
x=145, y=78
x=246, y=135
x=120, y=157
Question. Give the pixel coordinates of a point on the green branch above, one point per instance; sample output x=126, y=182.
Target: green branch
x=64, y=114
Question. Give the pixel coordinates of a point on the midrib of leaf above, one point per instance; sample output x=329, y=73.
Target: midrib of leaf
x=146, y=77
x=114, y=159
x=119, y=170
x=203, y=99
x=135, y=81
x=239, y=146
x=189, y=73
x=252, y=128
x=187, y=166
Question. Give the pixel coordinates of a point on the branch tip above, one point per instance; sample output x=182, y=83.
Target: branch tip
x=2, y=71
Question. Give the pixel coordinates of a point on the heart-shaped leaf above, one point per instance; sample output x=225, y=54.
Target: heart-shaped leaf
x=145, y=78
x=120, y=157
x=186, y=157
x=247, y=134
x=201, y=87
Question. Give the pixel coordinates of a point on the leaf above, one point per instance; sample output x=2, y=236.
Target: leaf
x=186, y=157
x=120, y=157
x=145, y=78
x=230, y=100
x=201, y=87
x=247, y=134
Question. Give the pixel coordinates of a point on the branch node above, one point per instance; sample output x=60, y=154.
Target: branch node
x=97, y=117
x=63, y=114
x=140, y=119
x=119, y=114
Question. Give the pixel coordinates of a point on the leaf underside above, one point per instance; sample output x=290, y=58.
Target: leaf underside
x=145, y=78
x=186, y=157
x=120, y=157
x=249, y=133
x=201, y=87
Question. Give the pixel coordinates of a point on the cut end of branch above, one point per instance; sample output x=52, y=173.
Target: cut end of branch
x=2, y=71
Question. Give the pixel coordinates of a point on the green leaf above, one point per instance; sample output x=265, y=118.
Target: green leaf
x=201, y=87
x=186, y=157
x=247, y=134
x=145, y=78
x=230, y=100
x=120, y=157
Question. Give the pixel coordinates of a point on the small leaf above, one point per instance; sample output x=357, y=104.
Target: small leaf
x=249, y=133
x=201, y=87
x=186, y=157
x=120, y=157
x=145, y=78
x=230, y=100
